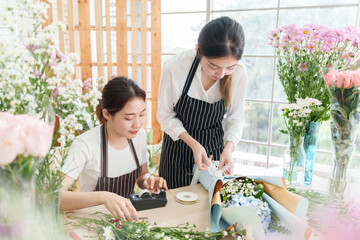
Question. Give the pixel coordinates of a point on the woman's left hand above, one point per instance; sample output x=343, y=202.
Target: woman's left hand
x=153, y=184
x=226, y=164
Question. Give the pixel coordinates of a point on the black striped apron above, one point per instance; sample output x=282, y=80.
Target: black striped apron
x=203, y=121
x=122, y=185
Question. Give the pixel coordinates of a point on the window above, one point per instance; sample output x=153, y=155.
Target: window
x=262, y=144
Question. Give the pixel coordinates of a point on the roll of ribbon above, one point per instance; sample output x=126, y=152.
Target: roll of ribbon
x=144, y=193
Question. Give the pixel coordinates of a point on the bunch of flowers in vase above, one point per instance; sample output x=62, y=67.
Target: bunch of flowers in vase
x=301, y=53
x=296, y=116
x=344, y=88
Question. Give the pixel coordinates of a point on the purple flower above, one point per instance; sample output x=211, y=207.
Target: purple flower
x=36, y=73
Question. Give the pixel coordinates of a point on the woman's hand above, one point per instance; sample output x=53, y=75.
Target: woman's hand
x=200, y=157
x=226, y=164
x=119, y=207
x=153, y=184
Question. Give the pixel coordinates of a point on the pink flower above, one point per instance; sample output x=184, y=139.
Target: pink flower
x=347, y=79
x=356, y=78
x=330, y=78
x=302, y=67
x=36, y=135
x=36, y=73
x=10, y=144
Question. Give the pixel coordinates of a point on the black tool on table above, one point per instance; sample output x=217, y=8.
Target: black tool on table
x=146, y=200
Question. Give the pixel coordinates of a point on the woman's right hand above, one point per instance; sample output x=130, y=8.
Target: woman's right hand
x=120, y=207
x=200, y=157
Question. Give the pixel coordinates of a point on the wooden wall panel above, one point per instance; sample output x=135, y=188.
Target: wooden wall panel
x=121, y=38
x=156, y=65
x=85, y=41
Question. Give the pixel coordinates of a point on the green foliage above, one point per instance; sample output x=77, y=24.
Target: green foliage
x=120, y=229
x=154, y=151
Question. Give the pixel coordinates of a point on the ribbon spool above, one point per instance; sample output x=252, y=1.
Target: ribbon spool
x=144, y=194
x=187, y=198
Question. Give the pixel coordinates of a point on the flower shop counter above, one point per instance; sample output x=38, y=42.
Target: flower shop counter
x=173, y=214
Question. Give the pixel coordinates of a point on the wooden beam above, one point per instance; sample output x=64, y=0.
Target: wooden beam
x=143, y=52
x=61, y=19
x=108, y=39
x=134, y=40
x=99, y=46
x=156, y=65
x=49, y=20
x=70, y=9
x=121, y=37
x=85, y=40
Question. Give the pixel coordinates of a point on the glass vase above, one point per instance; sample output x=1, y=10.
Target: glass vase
x=310, y=145
x=294, y=162
x=344, y=130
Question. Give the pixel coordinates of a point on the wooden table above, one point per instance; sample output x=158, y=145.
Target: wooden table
x=171, y=215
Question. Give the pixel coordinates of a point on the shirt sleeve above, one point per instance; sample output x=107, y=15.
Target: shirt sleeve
x=166, y=114
x=76, y=159
x=235, y=117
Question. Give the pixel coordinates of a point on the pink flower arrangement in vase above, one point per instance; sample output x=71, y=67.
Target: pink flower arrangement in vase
x=344, y=88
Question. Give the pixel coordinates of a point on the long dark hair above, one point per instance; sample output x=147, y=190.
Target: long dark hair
x=219, y=38
x=116, y=93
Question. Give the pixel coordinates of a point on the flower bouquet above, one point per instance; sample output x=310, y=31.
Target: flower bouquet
x=115, y=229
x=344, y=88
x=259, y=204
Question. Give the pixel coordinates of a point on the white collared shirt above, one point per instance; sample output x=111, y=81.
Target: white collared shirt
x=173, y=78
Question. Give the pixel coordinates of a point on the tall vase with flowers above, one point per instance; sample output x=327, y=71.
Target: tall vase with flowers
x=296, y=117
x=344, y=88
x=300, y=54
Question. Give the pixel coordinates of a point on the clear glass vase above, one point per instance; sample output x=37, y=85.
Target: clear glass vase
x=344, y=131
x=294, y=162
x=310, y=145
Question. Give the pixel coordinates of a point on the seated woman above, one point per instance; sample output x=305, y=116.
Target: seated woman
x=112, y=157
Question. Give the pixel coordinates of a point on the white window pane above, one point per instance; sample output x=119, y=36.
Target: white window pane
x=243, y=4
x=257, y=25
x=180, y=31
x=251, y=154
x=257, y=121
x=279, y=93
x=292, y=3
x=260, y=71
x=183, y=5
x=344, y=16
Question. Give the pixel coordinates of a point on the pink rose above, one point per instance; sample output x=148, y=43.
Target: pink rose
x=356, y=78
x=10, y=143
x=330, y=78
x=36, y=135
x=348, y=79
x=340, y=79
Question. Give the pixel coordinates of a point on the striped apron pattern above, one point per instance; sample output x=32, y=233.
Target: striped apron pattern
x=122, y=185
x=203, y=121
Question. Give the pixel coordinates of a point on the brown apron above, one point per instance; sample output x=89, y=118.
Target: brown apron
x=122, y=185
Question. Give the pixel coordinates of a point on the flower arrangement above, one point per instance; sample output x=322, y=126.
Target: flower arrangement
x=344, y=88
x=296, y=116
x=34, y=72
x=36, y=79
x=115, y=228
x=246, y=192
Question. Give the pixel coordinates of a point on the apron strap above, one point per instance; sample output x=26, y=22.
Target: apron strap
x=134, y=152
x=104, y=151
x=191, y=74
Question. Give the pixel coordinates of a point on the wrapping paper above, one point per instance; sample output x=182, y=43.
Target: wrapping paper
x=289, y=207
